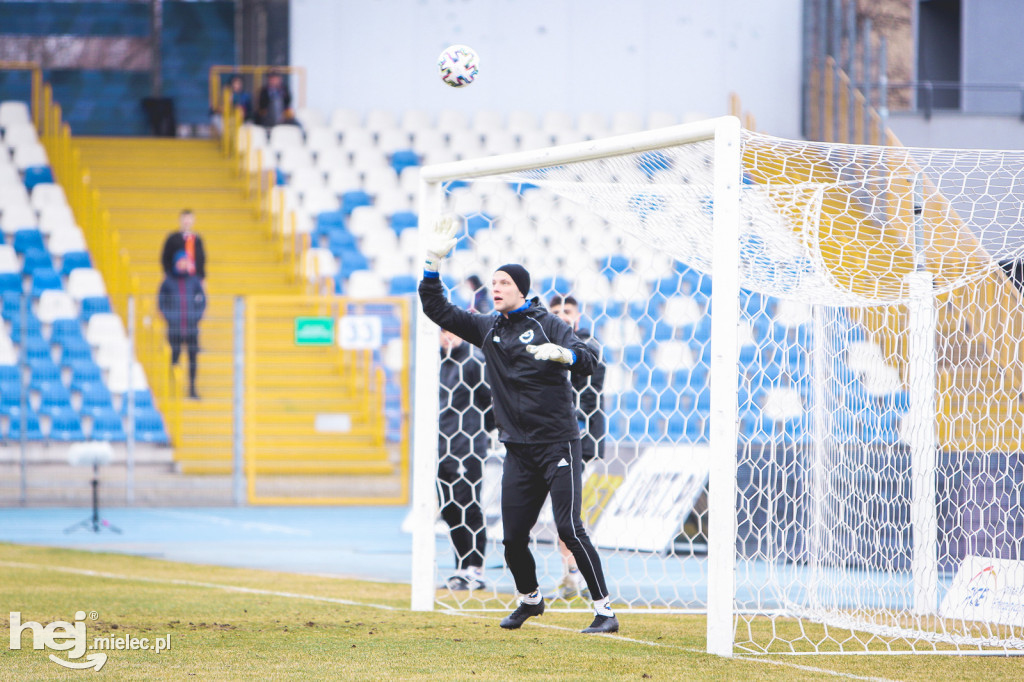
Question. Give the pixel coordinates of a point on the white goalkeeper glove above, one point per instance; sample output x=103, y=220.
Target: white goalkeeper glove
x=440, y=242
x=551, y=351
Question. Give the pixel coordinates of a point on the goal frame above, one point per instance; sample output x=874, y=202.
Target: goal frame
x=725, y=132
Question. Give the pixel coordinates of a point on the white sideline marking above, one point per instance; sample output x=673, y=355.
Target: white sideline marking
x=244, y=525
x=348, y=602
x=194, y=583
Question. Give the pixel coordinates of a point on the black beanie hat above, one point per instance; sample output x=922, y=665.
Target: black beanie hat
x=519, y=275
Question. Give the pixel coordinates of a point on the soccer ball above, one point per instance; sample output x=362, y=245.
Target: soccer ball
x=458, y=65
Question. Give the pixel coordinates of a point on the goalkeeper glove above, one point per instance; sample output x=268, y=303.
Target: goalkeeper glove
x=440, y=242
x=551, y=351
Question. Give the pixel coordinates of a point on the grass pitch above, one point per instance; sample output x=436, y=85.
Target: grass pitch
x=227, y=624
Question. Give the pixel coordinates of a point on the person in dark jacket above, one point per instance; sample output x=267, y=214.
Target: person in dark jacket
x=274, y=101
x=465, y=401
x=529, y=353
x=591, y=417
x=182, y=302
x=185, y=239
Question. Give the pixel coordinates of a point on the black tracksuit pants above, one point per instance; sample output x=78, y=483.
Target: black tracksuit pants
x=459, y=481
x=531, y=472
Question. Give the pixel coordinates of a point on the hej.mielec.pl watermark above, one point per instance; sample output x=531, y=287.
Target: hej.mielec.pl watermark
x=72, y=637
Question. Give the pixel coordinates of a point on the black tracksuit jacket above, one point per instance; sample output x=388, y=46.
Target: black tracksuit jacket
x=533, y=399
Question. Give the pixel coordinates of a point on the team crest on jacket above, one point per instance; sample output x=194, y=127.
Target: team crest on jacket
x=526, y=336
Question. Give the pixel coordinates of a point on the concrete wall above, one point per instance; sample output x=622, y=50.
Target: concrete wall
x=682, y=56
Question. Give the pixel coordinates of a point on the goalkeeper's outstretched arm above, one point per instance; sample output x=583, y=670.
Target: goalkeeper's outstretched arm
x=469, y=326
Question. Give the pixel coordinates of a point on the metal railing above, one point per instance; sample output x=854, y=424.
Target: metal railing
x=926, y=97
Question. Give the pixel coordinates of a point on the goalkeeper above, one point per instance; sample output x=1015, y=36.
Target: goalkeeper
x=529, y=353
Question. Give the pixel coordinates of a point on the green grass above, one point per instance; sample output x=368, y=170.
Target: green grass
x=230, y=624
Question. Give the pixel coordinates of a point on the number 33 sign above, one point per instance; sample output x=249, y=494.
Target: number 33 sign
x=359, y=332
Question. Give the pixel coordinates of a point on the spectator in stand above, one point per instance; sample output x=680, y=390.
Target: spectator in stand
x=274, y=101
x=465, y=419
x=187, y=240
x=240, y=97
x=182, y=302
x=591, y=417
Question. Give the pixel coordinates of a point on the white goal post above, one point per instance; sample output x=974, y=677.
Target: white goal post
x=820, y=451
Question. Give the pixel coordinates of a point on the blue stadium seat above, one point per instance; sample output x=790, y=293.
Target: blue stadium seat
x=95, y=398
x=36, y=347
x=106, y=425
x=36, y=259
x=35, y=175
x=10, y=396
x=74, y=349
x=403, y=284
x=53, y=397
x=28, y=238
x=143, y=399
x=613, y=265
x=73, y=260
x=401, y=220
x=149, y=427
x=632, y=355
x=340, y=239
x=33, y=432
x=66, y=426
x=42, y=372
x=10, y=283
x=84, y=374
x=549, y=286
x=350, y=260
x=628, y=402
x=63, y=329
x=404, y=158
x=10, y=374
x=92, y=305
x=24, y=326
x=477, y=222
x=637, y=428
x=353, y=199
x=327, y=221
x=44, y=279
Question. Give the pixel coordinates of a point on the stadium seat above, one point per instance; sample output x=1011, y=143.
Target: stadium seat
x=25, y=324
x=107, y=425
x=73, y=260
x=72, y=348
x=28, y=238
x=67, y=241
x=35, y=259
x=149, y=427
x=45, y=279
x=350, y=261
x=103, y=328
x=86, y=283
x=143, y=399
x=66, y=426
x=402, y=220
x=340, y=239
x=55, y=218
x=353, y=198
x=10, y=396
x=53, y=398
x=9, y=259
x=404, y=158
x=32, y=431
x=42, y=373
x=403, y=284
x=10, y=282
x=35, y=347
x=47, y=194
x=91, y=305
x=55, y=306
x=118, y=379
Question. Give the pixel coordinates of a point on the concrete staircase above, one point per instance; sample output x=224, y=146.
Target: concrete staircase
x=144, y=183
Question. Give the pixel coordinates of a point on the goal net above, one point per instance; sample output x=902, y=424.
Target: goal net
x=822, y=450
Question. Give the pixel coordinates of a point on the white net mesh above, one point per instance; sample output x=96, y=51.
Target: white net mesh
x=840, y=544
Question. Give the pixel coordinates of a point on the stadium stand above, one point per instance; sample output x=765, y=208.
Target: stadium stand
x=361, y=178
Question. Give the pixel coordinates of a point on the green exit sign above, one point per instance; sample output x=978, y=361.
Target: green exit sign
x=314, y=331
